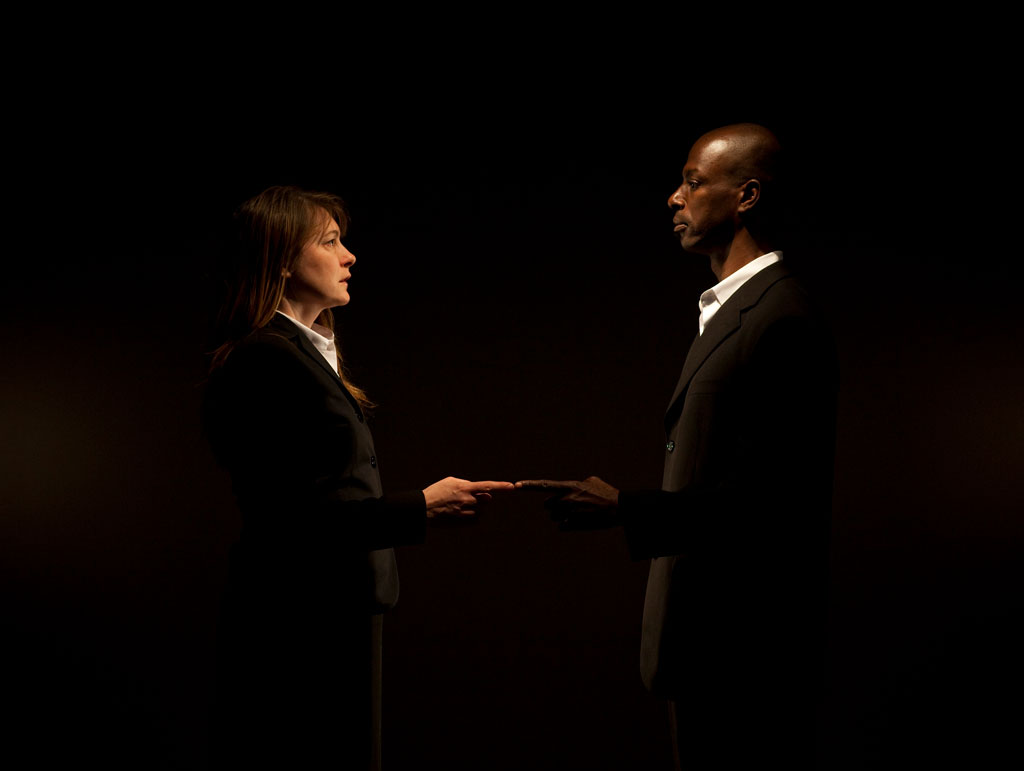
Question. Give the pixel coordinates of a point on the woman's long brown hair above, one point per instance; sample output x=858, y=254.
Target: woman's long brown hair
x=270, y=233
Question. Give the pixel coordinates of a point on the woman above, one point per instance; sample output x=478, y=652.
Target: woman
x=299, y=647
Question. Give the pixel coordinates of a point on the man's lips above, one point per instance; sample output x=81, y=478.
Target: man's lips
x=679, y=226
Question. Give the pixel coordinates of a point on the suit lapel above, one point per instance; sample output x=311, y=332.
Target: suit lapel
x=288, y=329
x=725, y=322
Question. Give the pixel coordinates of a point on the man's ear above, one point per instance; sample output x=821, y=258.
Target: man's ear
x=750, y=194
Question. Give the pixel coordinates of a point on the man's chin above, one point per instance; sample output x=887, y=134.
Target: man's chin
x=691, y=247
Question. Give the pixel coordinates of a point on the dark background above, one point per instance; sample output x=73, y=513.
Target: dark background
x=520, y=308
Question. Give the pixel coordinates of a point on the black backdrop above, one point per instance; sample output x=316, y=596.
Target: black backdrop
x=520, y=308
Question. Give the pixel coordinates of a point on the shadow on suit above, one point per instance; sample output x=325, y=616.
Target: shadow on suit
x=299, y=640
x=735, y=610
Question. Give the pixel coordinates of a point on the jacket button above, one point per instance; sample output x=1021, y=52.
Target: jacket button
x=373, y=461
x=670, y=446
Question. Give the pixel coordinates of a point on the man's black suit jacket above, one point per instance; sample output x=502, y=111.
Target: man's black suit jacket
x=314, y=560
x=739, y=533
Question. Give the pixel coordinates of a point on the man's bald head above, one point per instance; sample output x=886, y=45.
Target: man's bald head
x=727, y=206
x=745, y=151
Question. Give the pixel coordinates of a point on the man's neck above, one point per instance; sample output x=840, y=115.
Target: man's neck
x=742, y=250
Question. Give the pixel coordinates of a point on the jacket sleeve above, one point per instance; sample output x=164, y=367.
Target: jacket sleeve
x=294, y=453
x=773, y=435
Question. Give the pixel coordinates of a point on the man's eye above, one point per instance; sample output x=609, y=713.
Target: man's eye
x=694, y=184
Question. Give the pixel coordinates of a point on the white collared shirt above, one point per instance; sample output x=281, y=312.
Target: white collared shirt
x=321, y=337
x=715, y=297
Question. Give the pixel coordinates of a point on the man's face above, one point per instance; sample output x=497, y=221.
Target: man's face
x=705, y=206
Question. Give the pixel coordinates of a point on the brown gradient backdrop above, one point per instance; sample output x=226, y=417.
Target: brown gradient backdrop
x=520, y=308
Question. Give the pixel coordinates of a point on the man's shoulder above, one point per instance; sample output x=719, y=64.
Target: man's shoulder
x=778, y=292
x=788, y=324
x=790, y=295
x=785, y=313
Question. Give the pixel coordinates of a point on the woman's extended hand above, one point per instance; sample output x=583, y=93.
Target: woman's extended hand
x=453, y=497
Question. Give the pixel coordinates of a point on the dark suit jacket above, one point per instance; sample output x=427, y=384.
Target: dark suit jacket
x=314, y=560
x=302, y=462
x=739, y=532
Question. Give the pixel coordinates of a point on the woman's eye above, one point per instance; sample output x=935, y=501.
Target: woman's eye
x=331, y=242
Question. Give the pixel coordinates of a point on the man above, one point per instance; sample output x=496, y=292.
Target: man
x=733, y=623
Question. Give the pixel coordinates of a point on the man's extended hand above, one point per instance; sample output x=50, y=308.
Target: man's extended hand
x=590, y=504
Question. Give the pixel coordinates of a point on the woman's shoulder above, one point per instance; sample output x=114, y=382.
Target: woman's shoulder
x=265, y=339
x=264, y=353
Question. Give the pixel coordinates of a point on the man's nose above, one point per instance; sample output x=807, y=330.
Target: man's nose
x=676, y=199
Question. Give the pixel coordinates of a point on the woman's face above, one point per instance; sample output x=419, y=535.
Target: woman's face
x=321, y=274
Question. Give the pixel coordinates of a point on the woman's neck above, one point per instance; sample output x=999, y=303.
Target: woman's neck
x=299, y=312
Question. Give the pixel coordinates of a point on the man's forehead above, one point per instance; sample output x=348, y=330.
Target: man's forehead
x=707, y=154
